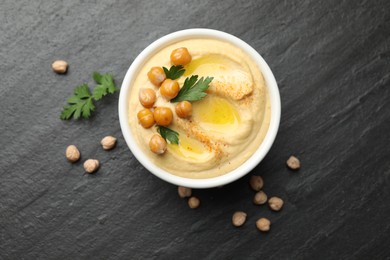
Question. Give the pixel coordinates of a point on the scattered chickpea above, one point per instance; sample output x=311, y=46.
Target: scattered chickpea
x=293, y=163
x=256, y=182
x=147, y=97
x=91, y=165
x=156, y=75
x=263, y=224
x=239, y=218
x=193, y=202
x=260, y=198
x=163, y=115
x=169, y=88
x=108, y=142
x=183, y=109
x=59, y=66
x=157, y=144
x=275, y=203
x=146, y=118
x=184, y=192
x=72, y=153
x=180, y=56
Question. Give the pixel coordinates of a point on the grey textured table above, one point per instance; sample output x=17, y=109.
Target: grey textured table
x=331, y=60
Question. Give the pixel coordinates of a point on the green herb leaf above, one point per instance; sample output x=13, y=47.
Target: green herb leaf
x=97, y=77
x=105, y=85
x=79, y=105
x=174, y=72
x=168, y=134
x=192, y=89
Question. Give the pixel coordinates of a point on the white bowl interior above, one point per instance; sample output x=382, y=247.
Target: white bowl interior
x=247, y=166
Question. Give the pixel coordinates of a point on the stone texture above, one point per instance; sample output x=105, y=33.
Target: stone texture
x=331, y=61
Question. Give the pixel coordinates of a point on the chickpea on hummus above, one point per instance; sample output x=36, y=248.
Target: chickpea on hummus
x=215, y=134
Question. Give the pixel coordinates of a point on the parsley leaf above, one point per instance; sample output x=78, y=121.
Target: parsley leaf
x=174, y=72
x=192, y=89
x=168, y=134
x=80, y=104
x=105, y=85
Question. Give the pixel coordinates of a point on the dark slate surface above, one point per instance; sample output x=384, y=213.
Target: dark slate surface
x=332, y=62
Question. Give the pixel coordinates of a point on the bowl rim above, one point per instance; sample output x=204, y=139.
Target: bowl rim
x=252, y=161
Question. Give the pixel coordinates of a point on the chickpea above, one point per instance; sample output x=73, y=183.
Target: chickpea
x=293, y=163
x=157, y=144
x=108, y=142
x=275, y=203
x=184, y=192
x=184, y=109
x=156, y=75
x=72, y=153
x=145, y=117
x=169, y=89
x=163, y=115
x=260, y=198
x=60, y=66
x=91, y=165
x=180, y=56
x=263, y=224
x=193, y=202
x=147, y=97
x=239, y=218
x=256, y=182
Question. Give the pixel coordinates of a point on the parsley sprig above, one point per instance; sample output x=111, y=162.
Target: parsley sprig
x=168, y=134
x=81, y=103
x=174, y=72
x=105, y=85
x=193, y=89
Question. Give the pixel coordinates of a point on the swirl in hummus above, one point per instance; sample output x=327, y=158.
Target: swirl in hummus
x=225, y=128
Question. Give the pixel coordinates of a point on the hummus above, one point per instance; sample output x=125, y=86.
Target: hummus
x=225, y=128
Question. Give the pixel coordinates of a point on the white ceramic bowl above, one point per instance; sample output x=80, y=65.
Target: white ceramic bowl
x=237, y=173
